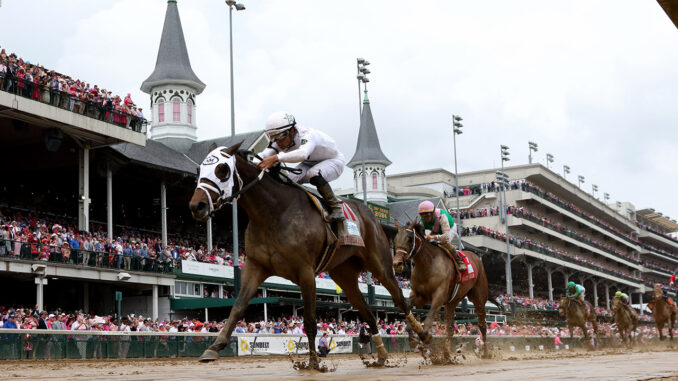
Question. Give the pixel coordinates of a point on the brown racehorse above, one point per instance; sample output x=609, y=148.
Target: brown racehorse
x=286, y=237
x=434, y=280
x=663, y=312
x=577, y=316
x=625, y=318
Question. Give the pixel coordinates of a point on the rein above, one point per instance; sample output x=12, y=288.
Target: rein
x=412, y=252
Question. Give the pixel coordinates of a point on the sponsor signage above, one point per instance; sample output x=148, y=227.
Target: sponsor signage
x=206, y=269
x=288, y=344
x=381, y=212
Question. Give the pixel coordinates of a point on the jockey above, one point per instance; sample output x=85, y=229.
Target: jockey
x=673, y=277
x=622, y=296
x=318, y=155
x=440, y=223
x=575, y=291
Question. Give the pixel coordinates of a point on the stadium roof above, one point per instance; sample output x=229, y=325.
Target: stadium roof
x=172, y=66
x=664, y=222
x=156, y=154
x=199, y=150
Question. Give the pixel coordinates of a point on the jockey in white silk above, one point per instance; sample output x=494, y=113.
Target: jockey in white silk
x=318, y=155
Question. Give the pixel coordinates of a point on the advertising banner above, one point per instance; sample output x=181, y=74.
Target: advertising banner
x=288, y=344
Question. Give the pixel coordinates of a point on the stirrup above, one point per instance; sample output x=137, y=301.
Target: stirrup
x=336, y=215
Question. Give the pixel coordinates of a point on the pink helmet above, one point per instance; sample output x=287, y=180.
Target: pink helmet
x=426, y=207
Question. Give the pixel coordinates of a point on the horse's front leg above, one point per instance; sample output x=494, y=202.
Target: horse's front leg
x=252, y=276
x=437, y=301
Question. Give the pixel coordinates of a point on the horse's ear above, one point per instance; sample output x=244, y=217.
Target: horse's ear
x=397, y=224
x=213, y=146
x=233, y=149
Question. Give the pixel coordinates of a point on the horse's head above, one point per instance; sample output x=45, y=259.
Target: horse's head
x=215, y=181
x=407, y=242
x=657, y=291
x=562, y=307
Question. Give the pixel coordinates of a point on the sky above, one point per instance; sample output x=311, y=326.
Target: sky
x=592, y=82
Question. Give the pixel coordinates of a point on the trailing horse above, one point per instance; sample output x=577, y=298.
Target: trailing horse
x=577, y=315
x=625, y=318
x=435, y=280
x=663, y=312
x=287, y=237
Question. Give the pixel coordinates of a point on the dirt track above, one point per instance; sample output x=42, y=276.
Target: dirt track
x=611, y=364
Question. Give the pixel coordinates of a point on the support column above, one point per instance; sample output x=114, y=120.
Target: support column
x=209, y=234
x=207, y=316
x=607, y=296
x=567, y=278
x=549, y=272
x=265, y=294
x=641, y=303
x=155, y=302
x=85, y=298
x=83, y=185
x=163, y=212
x=595, y=293
x=109, y=201
x=39, y=294
x=529, y=280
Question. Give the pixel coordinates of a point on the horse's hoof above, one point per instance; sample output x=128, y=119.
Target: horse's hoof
x=209, y=355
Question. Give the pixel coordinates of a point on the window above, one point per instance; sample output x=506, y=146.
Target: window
x=374, y=180
x=176, y=108
x=161, y=111
x=189, y=112
x=191, y=289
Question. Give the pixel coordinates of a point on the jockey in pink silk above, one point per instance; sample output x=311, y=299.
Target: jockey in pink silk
x=440, y=224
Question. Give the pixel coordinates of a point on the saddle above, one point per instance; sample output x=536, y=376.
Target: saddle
x=342, y=233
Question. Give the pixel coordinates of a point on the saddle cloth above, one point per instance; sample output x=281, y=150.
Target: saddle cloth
x=348, y=232
x=470, y=273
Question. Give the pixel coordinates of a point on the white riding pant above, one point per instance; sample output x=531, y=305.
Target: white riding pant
x=330, y=170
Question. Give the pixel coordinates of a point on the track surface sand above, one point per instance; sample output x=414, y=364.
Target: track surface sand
x=608, y=364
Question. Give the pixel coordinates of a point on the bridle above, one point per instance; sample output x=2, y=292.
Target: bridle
x=414, y=250
x=222, y=199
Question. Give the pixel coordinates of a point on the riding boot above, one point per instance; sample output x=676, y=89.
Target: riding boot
x=460, y=262
x=325, y=190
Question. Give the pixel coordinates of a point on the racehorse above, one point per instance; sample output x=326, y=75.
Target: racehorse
x=577, y=315
x=286, y=236
x=663, y=312
x=434, y=280
x=625, y=318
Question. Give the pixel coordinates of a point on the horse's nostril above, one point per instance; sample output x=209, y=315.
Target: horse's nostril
x=201, y=206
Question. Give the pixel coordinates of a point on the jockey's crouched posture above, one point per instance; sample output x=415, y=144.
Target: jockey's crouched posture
x=622, y=296
x=318, y=155
x=576, y=292
x=440, y=223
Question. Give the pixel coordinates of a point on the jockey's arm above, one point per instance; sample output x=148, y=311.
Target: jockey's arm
x=673, y=278
x=445, y=228
x=269, y=151
x=300, y=154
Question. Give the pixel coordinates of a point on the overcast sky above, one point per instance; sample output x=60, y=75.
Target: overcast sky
x=595, y=83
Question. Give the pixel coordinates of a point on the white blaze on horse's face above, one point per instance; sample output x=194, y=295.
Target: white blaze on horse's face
x=224, y=186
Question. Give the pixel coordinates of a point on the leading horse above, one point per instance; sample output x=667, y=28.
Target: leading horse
x=577, y=315
x=663, y=312
x=286, y=236
x=435, y=280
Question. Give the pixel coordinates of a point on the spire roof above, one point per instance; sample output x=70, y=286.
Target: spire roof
x=172, y=66
x=368, y=148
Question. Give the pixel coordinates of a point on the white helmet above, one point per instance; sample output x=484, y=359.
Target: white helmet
x=279, y=122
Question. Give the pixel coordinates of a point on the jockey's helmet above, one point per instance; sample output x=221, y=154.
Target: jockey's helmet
x=618, y=294
x=571, y=284
x=426, y=207
x=278, y=123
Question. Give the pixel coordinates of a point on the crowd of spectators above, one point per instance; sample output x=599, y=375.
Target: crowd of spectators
x=543, y=248
x=41, y=84
x=653, y=230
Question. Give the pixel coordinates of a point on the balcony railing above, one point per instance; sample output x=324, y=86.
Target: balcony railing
x=43, y=93
x=65, y=255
